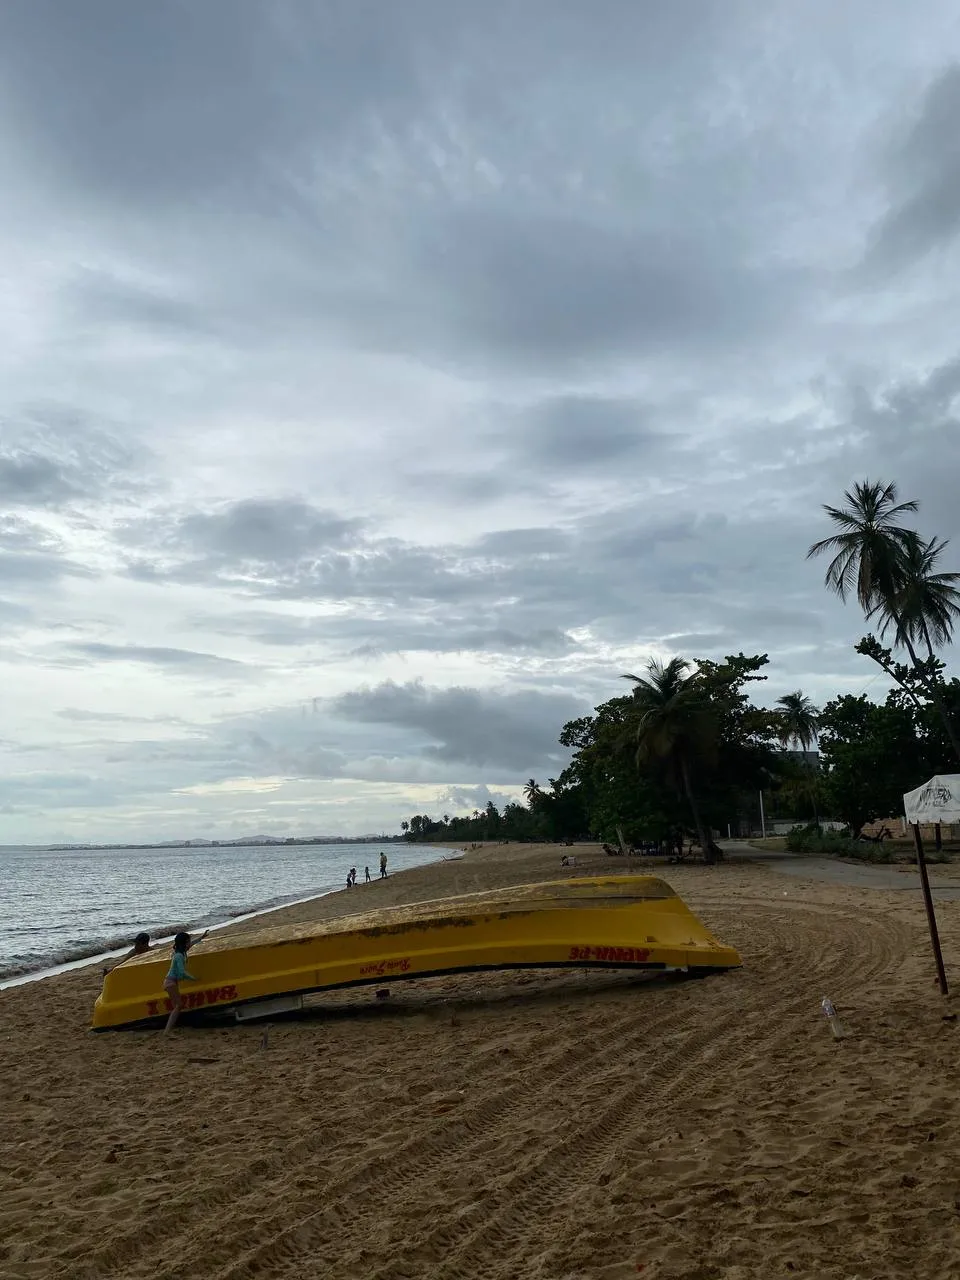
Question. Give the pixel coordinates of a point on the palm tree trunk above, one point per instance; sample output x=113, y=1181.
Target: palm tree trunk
x=706, y=843
x=933, y=690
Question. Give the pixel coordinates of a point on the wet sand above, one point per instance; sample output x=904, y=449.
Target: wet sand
x=556, y=1124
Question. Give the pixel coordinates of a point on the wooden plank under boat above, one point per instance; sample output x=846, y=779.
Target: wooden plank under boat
x=613, y=922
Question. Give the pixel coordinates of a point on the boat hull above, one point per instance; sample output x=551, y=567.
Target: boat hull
x=612, y=922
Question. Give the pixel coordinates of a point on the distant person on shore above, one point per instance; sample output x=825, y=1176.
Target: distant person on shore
x=349, y=880
x=383, y=866
x=353, y=876
x=366, y=875
x=177, y=974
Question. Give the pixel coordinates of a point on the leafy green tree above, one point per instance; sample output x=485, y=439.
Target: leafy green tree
x=676, y=731
x=872, y=753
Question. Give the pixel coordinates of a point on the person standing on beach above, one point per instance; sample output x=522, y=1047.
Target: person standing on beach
x=366, y=874
x=177, y=974
x=383, y=866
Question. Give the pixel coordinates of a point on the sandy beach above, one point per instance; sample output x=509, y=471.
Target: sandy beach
x=561, y=1124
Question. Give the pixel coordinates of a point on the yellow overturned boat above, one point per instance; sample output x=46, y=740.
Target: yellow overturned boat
x=612, y=922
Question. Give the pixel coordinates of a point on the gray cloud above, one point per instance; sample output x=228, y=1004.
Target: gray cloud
x=925, y=186
x=469, y=798
x=32, y=479
x=586, y=432
x=264, y=531
x=187, y=660
x=81, y=715
x=363, y=636
x=515, y=730
x=541, y=289
x=31, y=556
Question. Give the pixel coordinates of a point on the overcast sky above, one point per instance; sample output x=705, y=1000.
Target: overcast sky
x=379, y=380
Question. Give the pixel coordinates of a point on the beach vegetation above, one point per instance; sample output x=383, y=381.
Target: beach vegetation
x=687, y=751
x=898, y=582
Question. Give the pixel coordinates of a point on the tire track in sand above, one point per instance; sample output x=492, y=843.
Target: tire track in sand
x=503, y=1236
x=489, y=1234
x=233, y=1203
x=458, y=1137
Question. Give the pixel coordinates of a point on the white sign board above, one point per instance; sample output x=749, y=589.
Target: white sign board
x=936, y=801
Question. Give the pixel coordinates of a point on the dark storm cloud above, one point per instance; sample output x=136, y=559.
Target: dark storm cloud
x=471, y=726
x=186, y=660
x=925, y=180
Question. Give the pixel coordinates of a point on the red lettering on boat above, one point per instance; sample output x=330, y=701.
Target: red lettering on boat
x=611, y=955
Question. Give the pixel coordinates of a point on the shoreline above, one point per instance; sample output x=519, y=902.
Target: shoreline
x=45, y=971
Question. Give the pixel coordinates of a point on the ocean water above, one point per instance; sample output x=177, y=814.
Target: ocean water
x=58, y=906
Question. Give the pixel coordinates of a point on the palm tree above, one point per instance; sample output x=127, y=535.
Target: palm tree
x=870, y=543
x=675, y=728
x=894, y=572
x=532, y=792
x=926, y=605
x=924, y=610
x=799, y=723
x=799, y=720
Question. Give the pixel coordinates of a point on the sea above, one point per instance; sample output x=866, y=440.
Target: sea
x=59, y=906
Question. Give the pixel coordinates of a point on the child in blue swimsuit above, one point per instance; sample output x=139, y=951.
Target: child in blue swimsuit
x=176, y=975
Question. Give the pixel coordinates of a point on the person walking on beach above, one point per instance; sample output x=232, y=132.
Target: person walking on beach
x=383, y=866
x=366, y=875
x=177, y=974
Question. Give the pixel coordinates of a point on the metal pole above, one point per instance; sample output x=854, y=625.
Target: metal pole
x=928, y=903
x=763, y=821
